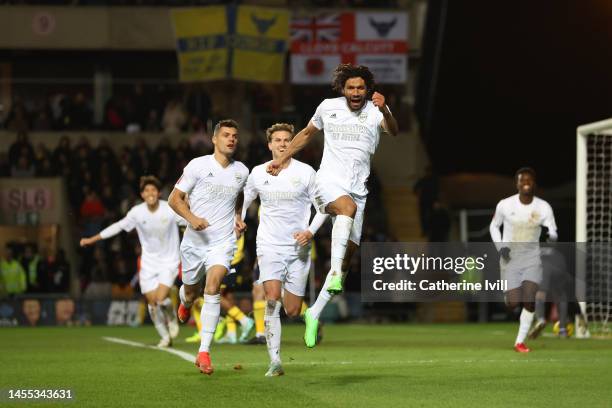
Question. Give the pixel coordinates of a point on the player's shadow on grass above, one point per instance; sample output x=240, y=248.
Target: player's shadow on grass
x=352, y=379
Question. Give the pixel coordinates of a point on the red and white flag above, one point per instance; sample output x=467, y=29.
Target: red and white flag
x=376, y=39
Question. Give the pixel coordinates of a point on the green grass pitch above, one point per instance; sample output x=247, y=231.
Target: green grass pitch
x=355, y=366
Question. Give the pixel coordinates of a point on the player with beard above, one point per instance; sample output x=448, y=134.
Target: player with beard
x=214, y=185
x=522, y=216
x=352, y=125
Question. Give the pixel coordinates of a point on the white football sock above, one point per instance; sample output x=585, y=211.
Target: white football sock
x=273, y=329
x=209, y=318
x=322, y=300
x=168, y=309
x=525, y=323
x=159, y=321
x=182, y=297
x=341, y=231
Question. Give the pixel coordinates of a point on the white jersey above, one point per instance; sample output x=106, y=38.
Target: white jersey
x=522, y=222
x=212, y=191
x=285, y=205
x=351, y=139
x=157, y=231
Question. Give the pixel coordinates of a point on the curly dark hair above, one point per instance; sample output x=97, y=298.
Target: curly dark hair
x=149, y=180
x=346, y=71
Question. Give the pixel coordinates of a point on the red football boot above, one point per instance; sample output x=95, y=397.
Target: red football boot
x=521, y=348
x=203, y=363
x=183, y=313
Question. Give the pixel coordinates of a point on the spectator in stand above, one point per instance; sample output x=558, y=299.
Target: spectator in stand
x=141, y=157
x=175, y=117
x=17, y=119
x=54, y=272
x=92, y=212
x=77, y=114
x=152, y=124
x=12, y=275
x=21, y=147
x=30, y=261
x=24, y=168
x=113, y=115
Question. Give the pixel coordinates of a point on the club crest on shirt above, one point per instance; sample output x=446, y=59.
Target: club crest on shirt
x=534, y=216
x=295, y=181
x=363, y=116
x=238, y=177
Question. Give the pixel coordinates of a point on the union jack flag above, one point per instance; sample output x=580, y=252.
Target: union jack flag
x=322, y=28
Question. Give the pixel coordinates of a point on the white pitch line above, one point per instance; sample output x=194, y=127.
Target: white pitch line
x=182, y=354
x=191, y=358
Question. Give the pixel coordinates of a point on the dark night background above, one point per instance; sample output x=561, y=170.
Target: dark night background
x=514, y=80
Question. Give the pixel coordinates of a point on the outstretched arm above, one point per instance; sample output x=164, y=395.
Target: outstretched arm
x=299, y=141
x=125, y=224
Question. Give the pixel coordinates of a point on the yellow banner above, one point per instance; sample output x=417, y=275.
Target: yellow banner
x=259, y=44
x=201, y=42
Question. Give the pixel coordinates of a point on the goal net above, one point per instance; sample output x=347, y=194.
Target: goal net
x=594, y=224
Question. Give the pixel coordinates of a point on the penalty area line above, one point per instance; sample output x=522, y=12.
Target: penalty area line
x=182, y=354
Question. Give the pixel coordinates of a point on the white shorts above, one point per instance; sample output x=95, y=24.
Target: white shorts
x=197, y=260
x=165, y=275
x=327, y=191
x=291, y=269
x=516, y=272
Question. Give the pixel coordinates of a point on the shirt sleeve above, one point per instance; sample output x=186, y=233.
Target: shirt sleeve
x=311, y=187
x=250, y=194
x=188, y=179
x=126, y=224
x=317, y=118
x=317, y=222
x=550, y=224
x=496, y=223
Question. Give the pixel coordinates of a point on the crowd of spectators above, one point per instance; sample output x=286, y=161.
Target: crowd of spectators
x=102, y=186
x=24, y=270
x=136, y=109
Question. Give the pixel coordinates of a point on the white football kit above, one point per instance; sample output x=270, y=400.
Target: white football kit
x=285, y=209
x=212, y=191
x=159, y=239
x=522, y=227
x=351, y=138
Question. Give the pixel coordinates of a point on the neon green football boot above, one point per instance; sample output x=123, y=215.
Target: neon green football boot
x=335, y=283
x=193, y=339
x=310, y=334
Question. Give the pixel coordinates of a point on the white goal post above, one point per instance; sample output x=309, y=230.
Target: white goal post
x=594, y=224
